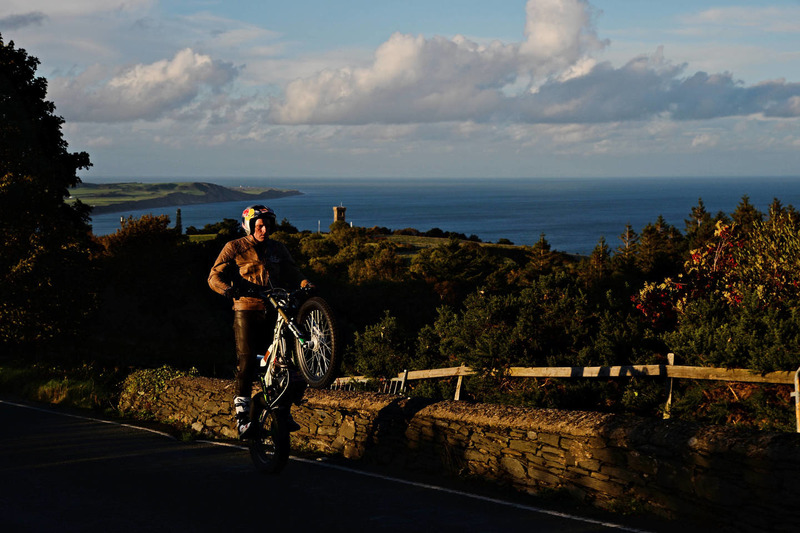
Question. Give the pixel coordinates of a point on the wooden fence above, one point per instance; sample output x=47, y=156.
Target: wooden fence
x=671, y=371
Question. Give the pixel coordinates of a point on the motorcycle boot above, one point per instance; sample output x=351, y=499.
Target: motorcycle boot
x=241, y=406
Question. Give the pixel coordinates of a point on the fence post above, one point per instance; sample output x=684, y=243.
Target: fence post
x=671, y=361
x=458, y=383
x=403, y=381
x=797, y=397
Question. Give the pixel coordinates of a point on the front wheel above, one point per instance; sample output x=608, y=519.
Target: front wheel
x=318, y=352
x=269, y=450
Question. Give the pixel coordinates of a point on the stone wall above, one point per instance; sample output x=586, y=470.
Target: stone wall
x=740, y=479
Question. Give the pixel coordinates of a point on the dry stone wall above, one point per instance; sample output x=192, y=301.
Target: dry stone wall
x=743, y=480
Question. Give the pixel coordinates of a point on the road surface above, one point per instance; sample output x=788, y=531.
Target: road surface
x=64, y=471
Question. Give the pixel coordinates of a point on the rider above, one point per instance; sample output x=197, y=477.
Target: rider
x=257, y=259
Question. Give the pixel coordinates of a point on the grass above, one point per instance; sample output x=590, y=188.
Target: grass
x=416, y=241
x=104, y=194
x=83, y=388
x=112, y=193
x=202, y=237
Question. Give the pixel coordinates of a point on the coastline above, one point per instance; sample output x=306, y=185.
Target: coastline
x=198, y=193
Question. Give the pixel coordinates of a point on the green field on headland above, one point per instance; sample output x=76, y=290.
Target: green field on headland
x=111, y=197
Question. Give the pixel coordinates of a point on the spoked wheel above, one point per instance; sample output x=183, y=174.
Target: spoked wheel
x=319, y=356
x=269, y=450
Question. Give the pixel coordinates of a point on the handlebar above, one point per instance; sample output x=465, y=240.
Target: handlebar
x=246, y=288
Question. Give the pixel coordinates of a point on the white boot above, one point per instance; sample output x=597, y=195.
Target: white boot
x=241, y=406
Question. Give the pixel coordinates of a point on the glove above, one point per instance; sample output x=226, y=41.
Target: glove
x=232, y=292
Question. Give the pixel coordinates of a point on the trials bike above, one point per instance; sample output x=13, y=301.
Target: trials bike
x=304, y=352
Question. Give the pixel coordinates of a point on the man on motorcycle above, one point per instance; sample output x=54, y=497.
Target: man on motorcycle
x=257, y=259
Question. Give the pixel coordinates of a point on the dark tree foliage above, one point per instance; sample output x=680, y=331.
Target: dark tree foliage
x=660, y=249
x=455, y=269
x=599, y=263
x=381, y=348
x=154, y=303
x=745, y=216
x=228, y=228
x=45, y=241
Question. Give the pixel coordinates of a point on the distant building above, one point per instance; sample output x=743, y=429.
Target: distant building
x=338, y=213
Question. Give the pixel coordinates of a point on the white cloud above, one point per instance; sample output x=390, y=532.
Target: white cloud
x=646, y=87
x=139, y=92
x=765, y=19
x=416, y=79
x=99, y=142
x=410, y=78
x=705, y=140
x=558, y=33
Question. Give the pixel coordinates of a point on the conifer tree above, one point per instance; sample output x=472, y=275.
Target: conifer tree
x=698, y=226
x=659, y=249
x=541, y=256
x=626, y=252
x=745, y=216
x=178, y=222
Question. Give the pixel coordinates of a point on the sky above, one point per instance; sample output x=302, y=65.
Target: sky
x=420, y=88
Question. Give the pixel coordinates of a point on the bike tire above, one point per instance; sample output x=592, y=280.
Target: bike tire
x=319, y=357
x=269, y=450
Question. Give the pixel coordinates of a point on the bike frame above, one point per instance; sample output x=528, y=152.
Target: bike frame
x=276, y=356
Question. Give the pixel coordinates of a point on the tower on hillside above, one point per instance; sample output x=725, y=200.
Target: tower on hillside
x=338, y=213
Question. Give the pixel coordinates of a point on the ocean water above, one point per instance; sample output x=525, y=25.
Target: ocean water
x=572, y=213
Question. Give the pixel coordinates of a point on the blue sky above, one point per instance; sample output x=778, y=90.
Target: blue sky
x=433, y=88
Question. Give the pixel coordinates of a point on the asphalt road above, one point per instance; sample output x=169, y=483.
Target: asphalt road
x=61, y=471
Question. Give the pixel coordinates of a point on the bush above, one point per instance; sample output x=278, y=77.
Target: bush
x=382, y=349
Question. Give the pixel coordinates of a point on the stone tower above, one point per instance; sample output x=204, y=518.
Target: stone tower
x=338, y=213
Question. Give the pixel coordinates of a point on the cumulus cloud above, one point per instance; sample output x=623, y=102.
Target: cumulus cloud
x=411, y=78
x=414, y=79
x=417, y=79
x=140, y=92
x=649, y=86
x=558, y=33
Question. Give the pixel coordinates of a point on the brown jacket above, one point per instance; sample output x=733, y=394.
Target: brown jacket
x=260, y=263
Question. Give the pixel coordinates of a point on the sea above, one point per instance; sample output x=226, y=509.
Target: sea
x=572, y=213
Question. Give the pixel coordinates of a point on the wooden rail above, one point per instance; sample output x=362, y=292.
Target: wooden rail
x=668, y=371
x=671, y=371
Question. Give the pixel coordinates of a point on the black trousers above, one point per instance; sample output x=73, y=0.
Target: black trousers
x=253, y=332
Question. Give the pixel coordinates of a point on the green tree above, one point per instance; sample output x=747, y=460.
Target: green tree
x=624, y=259
x=598, y=266
x=227, y=229
x=628, y=240
x=382, y=350
x=745, y=216
x=455, y=268
x=45, y=241
x=660, y=249
x=699, y=226
x=541, y=260
x=384, y=265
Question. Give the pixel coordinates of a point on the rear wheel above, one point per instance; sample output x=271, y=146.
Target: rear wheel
x=269, y=450
x=319, y=353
